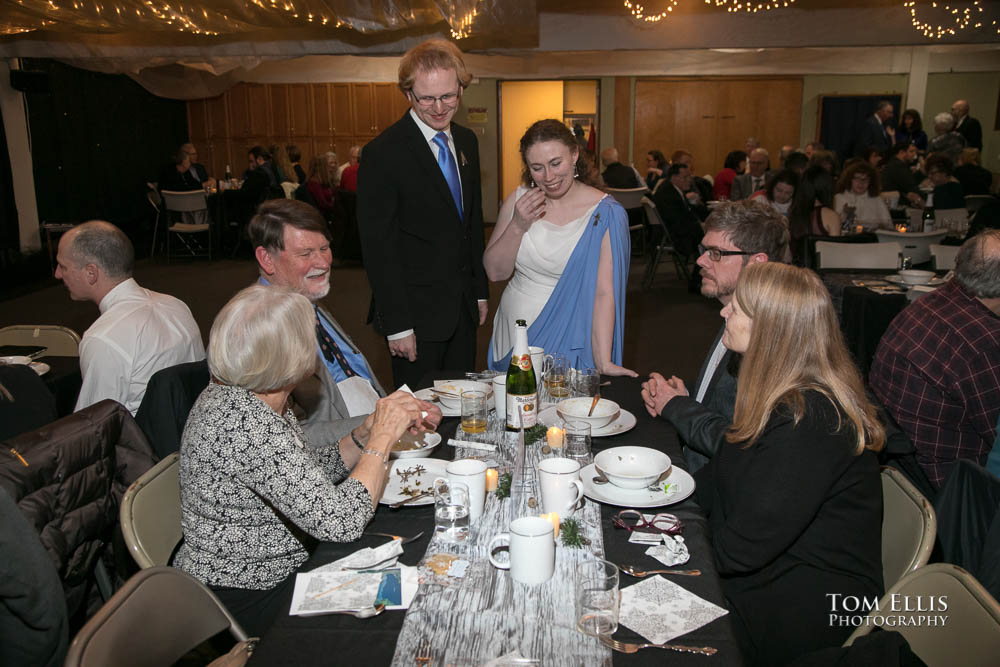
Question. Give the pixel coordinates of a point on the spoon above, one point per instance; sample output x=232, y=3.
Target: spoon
x=600, y=478
x=632, y=571
x=597, y=399
x=367, y=612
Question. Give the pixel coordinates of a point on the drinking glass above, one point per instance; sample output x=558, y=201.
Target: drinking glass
x=577, y=442
x=451, y=510
x=586, y=382
x=474, y=411
x=597, y=598
x=555, y=377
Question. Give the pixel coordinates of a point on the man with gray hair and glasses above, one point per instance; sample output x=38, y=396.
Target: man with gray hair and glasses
x=737, y=234
x=937, y=368
x=138, y=332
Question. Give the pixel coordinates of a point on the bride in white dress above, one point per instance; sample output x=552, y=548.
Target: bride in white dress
x=541, y=226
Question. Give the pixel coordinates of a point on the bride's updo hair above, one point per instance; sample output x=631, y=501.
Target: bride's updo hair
x=551, y=129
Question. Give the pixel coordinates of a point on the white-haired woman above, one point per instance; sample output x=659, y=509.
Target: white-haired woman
x=794, y=496
x=254, y=494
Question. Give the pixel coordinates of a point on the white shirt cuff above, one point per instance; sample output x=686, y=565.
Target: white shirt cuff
x=401, y=334
x=483, y=301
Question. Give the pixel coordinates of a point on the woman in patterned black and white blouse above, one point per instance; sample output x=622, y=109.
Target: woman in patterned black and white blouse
x=254, y=494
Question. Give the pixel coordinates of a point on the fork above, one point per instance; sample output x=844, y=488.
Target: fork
x=423, y=656
x=632, y=571
x=625, y=647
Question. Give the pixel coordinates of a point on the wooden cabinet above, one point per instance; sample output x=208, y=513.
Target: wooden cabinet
x=258, y=103
x=279, y=118
x=363, y=100
x=342, y=109
x=299, y=108
x=711, y=117
x=386, y=95
x=322, y=113
x=239, y=111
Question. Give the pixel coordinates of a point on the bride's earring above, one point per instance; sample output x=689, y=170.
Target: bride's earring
x=576, y=171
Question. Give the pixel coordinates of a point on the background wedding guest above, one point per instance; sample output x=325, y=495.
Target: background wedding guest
x=779, y=191
x=911, y=130
x=811, y=213
x=794, y=496
x=656, y=163
x=948, y=193
x=733, y=166
x=857, y=201
x=139, y=331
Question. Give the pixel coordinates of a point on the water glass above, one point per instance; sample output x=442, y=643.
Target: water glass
x=586, y=382
x=474, y=411
x=555, y=376
x=577, y=442
x=597, y=598
x=451, y=510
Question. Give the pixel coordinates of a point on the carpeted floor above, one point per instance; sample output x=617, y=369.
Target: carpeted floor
x=666, y=329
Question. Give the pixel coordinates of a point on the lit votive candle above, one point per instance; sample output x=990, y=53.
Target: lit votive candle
x=491, y=479
x=554, y=437
x=553, y=518
x=859, y=229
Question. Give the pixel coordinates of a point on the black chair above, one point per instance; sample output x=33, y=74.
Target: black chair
x=170, y=395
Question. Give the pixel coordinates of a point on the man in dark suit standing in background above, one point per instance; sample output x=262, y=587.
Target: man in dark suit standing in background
x=874, y=131
x=421, y=222
x=967, y=126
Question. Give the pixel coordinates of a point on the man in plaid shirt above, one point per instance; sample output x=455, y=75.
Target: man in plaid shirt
x=937, y=368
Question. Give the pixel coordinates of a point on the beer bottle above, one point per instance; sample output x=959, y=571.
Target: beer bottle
x=522, y=389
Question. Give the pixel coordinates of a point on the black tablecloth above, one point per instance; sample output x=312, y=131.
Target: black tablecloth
x=344, y=639
x=64, y=381
x=864, y=315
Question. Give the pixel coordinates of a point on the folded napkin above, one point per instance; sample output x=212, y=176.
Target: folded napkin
x=380, y=557
x=672, y=552
x=660, y=610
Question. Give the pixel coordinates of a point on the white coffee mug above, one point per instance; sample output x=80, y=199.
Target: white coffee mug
x=472, y=473
x=532, y=550
x=537, y=361
x=561, y=487
x=500, y=396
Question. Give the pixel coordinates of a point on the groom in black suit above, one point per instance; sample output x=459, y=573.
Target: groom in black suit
x=421, y=222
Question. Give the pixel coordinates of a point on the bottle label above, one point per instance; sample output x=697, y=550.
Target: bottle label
x=527, y=404
x=525, y=363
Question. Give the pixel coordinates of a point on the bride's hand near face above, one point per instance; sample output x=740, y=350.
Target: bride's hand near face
x=530, y=207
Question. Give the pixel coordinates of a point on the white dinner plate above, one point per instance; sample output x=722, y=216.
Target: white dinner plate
x=609, y=494
x=431, y=440
x=428, y=395
x=898, y=279
x=420, y=481
x=626, y=422
x=40, y=367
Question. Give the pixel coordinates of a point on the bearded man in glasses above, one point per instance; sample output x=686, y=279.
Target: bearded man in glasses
x=420, y=217
x=737, y=234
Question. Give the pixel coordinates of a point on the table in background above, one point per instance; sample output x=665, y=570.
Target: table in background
x=864, y=315
x=64, y=381
x=322, y=639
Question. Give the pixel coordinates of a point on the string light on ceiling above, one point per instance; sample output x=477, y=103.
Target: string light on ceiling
x=461, y=16
x=638, y=12
x=748, y=6
x=956, y=18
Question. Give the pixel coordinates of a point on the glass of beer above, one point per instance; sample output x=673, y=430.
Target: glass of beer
x=555, y=377
x=474, y=410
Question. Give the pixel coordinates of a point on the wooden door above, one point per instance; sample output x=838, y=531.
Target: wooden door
x=300, y=110
x=280, y=121
x=342, y=109
x=197, y=120
x=673, y=115
x=363, y=101
x=239, y=111
x=385, y=105
x=257, y=103
x=739, y=105
x=322, y=117
x=781, y=123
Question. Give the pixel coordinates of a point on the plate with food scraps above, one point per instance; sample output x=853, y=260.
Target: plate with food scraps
x=411, y=477
x=898, y=279
x=429, y=396
x=626, y=421
x=415, y=446
x=678, y=485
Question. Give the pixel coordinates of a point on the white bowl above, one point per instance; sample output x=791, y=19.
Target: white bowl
x=16, y=360
x=576, y=409
x=429, y=440
x=457, y=387
x=916, y=277
x=632, y=467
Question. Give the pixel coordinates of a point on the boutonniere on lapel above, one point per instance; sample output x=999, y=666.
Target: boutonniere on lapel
x=461, y=159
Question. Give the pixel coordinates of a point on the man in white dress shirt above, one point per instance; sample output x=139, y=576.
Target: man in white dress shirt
x=139, y=331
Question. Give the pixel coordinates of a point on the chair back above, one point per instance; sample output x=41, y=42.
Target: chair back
x=150, y=514
x=969, y=636
x=857, y=255
x=975, y=202
x=909, y=527
x=160, y=614
x=184, y=201
x=60, y=341
x=653, y=215
x=629, y=198
x=944, y=256
x=955, y=220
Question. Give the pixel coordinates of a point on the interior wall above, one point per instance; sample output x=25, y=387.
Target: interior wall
x=853, y=84
x=482, y=94
x=522, y=103
x=980, y=90
x=606, y=115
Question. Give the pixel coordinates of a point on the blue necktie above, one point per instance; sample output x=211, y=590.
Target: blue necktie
x=449, y=169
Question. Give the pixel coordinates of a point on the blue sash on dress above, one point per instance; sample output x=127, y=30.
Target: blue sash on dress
x=565, y=323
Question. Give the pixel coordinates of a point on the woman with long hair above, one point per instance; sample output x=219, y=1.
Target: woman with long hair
x=320, y=184
x=656, y=164
x=566, y=245
x=811, y=213
x=736, y=162
x=286, y=172
x=911, y=129
x=794, y=495
x=779, y=191
x=857, y=201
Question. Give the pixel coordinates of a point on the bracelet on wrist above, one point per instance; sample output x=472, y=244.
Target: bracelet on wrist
x=375, y=452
